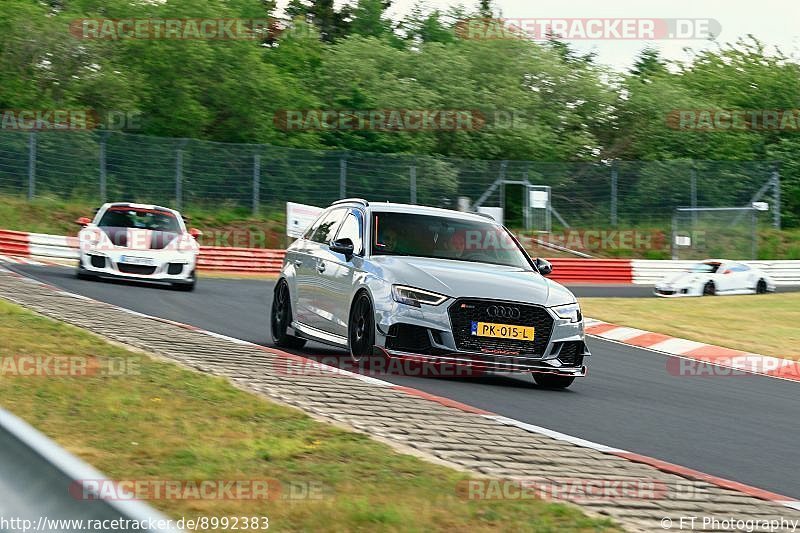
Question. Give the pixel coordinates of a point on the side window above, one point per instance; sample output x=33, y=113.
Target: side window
x=314, y=225
x=328, y=227
x=352, y=228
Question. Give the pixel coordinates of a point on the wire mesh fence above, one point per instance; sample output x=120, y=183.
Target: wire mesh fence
x=115, y=166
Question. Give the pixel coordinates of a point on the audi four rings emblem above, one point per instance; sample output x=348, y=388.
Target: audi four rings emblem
x=502, y=311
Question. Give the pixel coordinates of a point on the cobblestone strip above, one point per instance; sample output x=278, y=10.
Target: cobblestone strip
x=478, y=443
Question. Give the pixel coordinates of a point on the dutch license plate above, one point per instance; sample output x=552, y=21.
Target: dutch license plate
x=503, y=331
x=136, y=260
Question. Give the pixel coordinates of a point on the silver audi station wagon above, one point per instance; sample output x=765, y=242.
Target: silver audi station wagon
x=430, y=285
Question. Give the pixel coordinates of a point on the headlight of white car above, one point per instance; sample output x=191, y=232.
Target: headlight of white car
x=416, y=297
x=571, y=312
x=90, y=237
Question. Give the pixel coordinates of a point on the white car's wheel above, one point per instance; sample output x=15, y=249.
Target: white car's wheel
x=709, y=289
x=81, y=273
x=761, y=287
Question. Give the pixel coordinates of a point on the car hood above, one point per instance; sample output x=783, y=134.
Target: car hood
x=463, y=279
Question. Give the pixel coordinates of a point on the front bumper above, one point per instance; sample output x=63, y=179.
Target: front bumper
x=161, y=265
x=665, y=291
x=482, y=362
x=426, y=335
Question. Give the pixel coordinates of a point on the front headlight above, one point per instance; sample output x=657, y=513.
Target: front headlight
x=416, y=297
x=571, y=312
x=89, y=238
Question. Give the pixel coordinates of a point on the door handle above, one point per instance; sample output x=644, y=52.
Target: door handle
x=321, y=266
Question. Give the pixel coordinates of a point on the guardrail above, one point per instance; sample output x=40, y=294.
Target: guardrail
x=36, y=476
x=266, y=261
x=569, y=270
x=648, y=272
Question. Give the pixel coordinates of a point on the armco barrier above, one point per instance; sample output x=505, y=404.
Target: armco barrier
x=648, y=272
x=13, y=243
x=240, y=260
x=569, y=270
x=211, y=258
x=263, y=261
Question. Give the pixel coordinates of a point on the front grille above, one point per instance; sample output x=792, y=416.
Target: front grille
x=98, y=261
x=143, y=270
x=571, y=353
x=464, y=312
x=665, y=292
x=173, y=269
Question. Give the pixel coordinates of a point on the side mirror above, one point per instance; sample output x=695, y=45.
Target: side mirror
x=83, y=221
x=543, y=266
x=343, y=246
x=195, y=233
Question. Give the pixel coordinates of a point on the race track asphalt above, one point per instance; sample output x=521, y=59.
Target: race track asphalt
x=742, y=428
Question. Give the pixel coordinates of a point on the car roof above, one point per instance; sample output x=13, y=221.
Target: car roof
x=390, y=207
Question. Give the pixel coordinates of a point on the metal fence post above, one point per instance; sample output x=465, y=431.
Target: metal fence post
x=179, y=177
x=256, y=183
x=342, y=177
x=31, y=165
x=776, y=210
x=103, y=168
x=412, y=179
x=502, y=179
x=693, y=194
x=614, y=178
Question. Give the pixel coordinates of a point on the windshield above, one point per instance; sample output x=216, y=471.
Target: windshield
x=443, y=237
x=150, y=219
x=708, y=268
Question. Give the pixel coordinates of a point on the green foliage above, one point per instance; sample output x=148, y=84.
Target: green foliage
x=542, y=101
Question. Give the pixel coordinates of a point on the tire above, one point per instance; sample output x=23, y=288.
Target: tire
x=709, y=289
x=281, y=317
x=552, y=381
x=761, y=287
x=361, y=327
x=185, y=287
x=81, y=274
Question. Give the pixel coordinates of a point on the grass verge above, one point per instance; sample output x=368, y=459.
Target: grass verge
x=764, y=324
x=168, y=423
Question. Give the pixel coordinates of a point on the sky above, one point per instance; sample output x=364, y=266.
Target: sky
x=771, y=21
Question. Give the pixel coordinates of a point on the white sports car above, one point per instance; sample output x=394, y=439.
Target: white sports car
x=715, y=276
x=140, y=242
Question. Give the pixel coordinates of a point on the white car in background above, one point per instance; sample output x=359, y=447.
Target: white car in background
x=715, y=277
x=138, y=242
